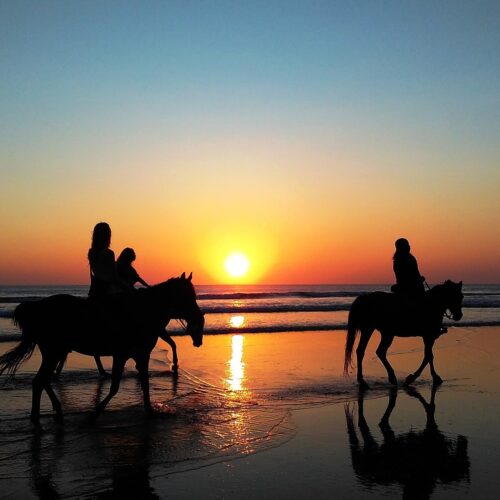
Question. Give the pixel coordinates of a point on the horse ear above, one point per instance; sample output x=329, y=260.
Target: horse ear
x=190, y=277
x=183, y=276
x=460, y=284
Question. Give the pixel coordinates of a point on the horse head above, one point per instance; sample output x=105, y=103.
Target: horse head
x=448, y=297
x=184, y=306
x=454, y=298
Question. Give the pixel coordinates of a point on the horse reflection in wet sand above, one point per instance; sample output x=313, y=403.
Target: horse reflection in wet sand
x=415, y=460
x=392, y=315
x=124, y=326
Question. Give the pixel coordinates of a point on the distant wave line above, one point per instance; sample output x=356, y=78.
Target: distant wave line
x=15, y=299
x=227, y=330
x=279, y=309
x=284, y=308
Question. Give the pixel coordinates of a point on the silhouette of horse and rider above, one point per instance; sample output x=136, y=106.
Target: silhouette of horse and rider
x=409, y=311
x=123, y=322
x=108, y=277
x=116, y=320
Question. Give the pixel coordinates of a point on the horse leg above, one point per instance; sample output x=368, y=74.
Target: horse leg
x=385, y=343
x=100, y=368
x=56, y=404
x=413, y=376
x=168, y=339
x=40, y=382
x=116, y=375
x=429, y=344
x=142, y=365
x=60, y=366
x=428, y=358
x=360, y=352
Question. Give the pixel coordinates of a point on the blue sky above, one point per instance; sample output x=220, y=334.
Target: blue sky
x=298, y=103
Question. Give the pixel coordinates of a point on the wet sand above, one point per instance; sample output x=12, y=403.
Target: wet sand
x=269, y=416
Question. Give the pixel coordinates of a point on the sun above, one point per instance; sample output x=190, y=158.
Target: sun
x=237, y=264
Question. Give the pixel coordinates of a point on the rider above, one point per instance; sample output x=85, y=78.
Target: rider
x=409, y=281
x=126, y=271
x=104, y=279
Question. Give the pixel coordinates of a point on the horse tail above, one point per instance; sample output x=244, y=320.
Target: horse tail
x=352, y=330
x=12, y=359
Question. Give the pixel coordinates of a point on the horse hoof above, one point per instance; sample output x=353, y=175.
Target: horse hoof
x=363, y=386
x=410, y=379
x=393, y=381
x=437, y=380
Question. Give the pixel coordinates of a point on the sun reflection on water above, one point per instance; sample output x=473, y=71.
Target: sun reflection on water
x=236, y=365
x=237, y=321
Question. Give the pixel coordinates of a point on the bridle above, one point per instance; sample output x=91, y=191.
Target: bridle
x=445, y=313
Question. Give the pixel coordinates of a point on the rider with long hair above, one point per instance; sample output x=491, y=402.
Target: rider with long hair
x=103, y=276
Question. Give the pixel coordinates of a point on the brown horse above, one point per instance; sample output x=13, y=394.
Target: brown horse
x=124, y=326
x=393, y=315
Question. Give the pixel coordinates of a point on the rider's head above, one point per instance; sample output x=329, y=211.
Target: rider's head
x=101, y=236
x=402, y=245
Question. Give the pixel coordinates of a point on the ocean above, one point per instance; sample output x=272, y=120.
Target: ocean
x=267, y=308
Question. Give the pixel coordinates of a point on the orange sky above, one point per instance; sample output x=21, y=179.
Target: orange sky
x=309, y=140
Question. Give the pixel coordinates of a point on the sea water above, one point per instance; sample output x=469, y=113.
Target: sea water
x=267, y=308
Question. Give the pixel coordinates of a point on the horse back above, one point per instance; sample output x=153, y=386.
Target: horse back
x=43, y=311
x=386, y=311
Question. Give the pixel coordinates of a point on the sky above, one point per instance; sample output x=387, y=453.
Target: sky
x=306, y=135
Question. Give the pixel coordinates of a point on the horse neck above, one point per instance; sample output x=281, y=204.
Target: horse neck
x=438, y=298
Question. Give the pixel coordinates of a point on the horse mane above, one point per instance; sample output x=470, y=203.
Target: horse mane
x=164, y=286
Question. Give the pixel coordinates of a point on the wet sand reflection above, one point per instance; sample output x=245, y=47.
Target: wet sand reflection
x=236, y=366
x=417, y=461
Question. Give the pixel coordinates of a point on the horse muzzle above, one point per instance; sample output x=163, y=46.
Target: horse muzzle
x=195, y=329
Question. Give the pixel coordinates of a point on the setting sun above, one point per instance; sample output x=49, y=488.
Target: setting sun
x=237, y=264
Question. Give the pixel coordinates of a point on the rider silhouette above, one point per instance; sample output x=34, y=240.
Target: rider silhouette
x=104, y=279
x=409, y=281
x=126, y=271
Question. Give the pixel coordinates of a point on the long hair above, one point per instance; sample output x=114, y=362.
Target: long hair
x=101, y=239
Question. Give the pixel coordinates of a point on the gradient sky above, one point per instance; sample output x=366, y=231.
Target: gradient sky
x=308, y=135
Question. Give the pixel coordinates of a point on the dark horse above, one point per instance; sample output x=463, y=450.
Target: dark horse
x=124, y=326
x=393, y=315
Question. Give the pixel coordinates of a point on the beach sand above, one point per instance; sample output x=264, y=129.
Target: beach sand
x=265, y=415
